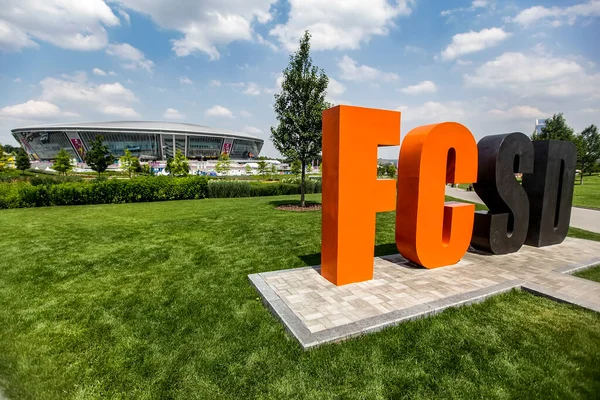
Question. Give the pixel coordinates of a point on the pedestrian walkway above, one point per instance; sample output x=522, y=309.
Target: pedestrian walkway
x=315, y=311
x=581, y=218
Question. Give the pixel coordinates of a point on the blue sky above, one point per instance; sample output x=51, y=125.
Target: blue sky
x=494, y=66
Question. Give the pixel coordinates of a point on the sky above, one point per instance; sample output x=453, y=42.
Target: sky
x=494, y=66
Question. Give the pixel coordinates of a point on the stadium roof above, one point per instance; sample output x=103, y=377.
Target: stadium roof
x=153, y=126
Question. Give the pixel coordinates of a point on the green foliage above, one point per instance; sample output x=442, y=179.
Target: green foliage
x=273, y=169
x=556, y=129
x=223, y=164
x=299, y=108
x=588, y=149
x=309, y=168
x=3, y=161
x=296, y=167
x=262, y=167
x=229, y=188
x=141, y=189
x=98, y=158
x=248, y=169
x=22, y=161
x=386, y=170
x=62, y=162
x=130, y=163
x=178, y=166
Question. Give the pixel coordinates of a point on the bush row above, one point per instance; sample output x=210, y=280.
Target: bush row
x=143, y=189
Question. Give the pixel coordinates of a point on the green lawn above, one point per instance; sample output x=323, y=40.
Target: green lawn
x=592, y=274
x=587, y=194
x=152, y=301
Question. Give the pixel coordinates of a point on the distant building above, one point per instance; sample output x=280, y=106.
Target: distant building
x=539, y=124
x=148, y=140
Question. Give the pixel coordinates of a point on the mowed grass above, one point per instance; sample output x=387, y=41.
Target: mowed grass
x=152, y=301
x=588, y=193
x=592, y=274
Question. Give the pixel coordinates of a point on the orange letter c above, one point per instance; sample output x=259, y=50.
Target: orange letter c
x=429, y=232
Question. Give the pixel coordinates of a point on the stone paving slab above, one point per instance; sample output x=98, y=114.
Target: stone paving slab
x=315, y=311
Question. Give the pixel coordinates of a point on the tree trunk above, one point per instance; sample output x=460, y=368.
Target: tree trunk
x=302, y=202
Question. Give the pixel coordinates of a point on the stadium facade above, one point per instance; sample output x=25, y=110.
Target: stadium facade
x=147, y=140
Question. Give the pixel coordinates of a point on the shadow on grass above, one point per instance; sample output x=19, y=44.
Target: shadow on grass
x=277, y=203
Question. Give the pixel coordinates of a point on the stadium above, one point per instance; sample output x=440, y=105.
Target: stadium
x=148, y=140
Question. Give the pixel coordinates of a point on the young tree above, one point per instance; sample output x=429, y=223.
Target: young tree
x=99, y=157
x=299, y=109
x=3, y=160
x=22, y=161
x=248, y=169
x=127, y=162
x=588, y=149
x=273, y=169
x=390, y=170
x=224, y=164
x=296, y=167
x=62, y=162
x=309, y=168
x=178, y=166
x=136, y=166
x=556, y=129
x=262, y=167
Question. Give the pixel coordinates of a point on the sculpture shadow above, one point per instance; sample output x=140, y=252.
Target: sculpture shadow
x=386, y=249
x=277, y=203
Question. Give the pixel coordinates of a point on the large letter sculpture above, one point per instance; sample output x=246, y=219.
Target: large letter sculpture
x=503, y=229
x=550, y=189
x=429, y=232
x=352, y=194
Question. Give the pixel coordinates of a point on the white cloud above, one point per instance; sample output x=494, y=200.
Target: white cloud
x=476, y=4
x=339, y=24
x=535, y=76
x=219, y=111
x=125, y=16
x=351, y=71
x=420, y=88
x=112, y=73
x=17, y=80
x=415, y=50
x=470, y=42
x=99, y=72
x=215, y=83
x=251, y=130
x=205, y=25
x=518, y=112
x=120, y=111
x=32, y=109
x=133, y=58
x=335, y=88
x=172, y=113
x=557, y=16
x=245, y=114
x=464, y=62
x=433, y=112
x=252, y=89
x=77, y=92
x=184, y=80
x=70, y=24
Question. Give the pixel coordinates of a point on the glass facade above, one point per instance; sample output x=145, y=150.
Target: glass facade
x=145, y=145
x=140, y=144
x=244, y=149
x=204, y=146
x=46, y=145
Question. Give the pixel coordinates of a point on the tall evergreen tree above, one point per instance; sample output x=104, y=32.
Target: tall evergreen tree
x=22, y=161
x=62, y=162
x=99, y=157
x=299, y=109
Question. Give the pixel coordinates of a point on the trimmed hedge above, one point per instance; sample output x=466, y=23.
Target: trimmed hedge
x=143, y=189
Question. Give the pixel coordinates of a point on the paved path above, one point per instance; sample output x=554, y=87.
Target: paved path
x=315, y=311
x=581, y=218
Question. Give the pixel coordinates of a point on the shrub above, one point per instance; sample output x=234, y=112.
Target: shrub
x=142, y=189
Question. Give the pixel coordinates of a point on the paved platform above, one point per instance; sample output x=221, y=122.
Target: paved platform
x=315, y=311
x=582, y=218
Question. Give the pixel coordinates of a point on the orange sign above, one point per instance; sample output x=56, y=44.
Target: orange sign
x=428, y=232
